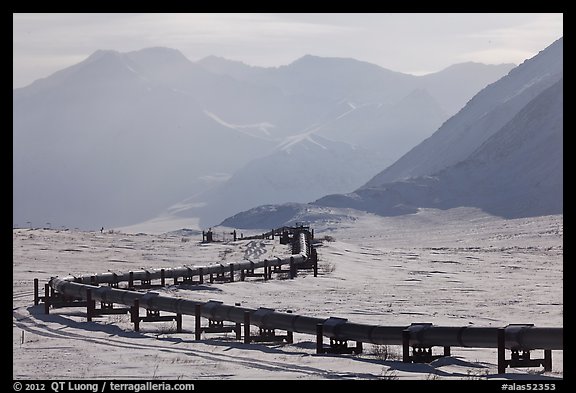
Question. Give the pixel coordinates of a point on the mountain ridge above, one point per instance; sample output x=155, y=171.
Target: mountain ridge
x=513, y=170
x=130, y=134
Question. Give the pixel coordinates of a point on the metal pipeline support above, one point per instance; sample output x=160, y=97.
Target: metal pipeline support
x=186, y=271
x=424, y=335
x=517, y=337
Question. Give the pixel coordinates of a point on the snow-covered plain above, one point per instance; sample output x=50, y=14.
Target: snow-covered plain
x=457, y=267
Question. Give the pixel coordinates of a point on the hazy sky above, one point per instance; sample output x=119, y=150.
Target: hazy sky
x=410, y=43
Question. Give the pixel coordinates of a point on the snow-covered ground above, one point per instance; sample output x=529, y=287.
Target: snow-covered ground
x=457, y=267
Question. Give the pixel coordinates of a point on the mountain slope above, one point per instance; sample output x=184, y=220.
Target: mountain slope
x=104, y=144
x=516, y=173
x=483, y=116
x=361, y=82
x=507, y=161
x=454, y=86
x=302, y=168
x=121, y=136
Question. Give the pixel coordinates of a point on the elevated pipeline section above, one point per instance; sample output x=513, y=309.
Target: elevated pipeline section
x=519, y=338
x=524, y=338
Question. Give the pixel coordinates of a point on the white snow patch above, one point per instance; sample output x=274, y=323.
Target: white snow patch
x=529, y=84
x=138, y=74
x=263, y=127
x=290, y=141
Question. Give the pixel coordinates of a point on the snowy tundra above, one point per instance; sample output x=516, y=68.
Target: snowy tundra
x=454, y=267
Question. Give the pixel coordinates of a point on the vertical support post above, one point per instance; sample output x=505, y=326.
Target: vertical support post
x=197, y=326
x=46, y=299
x=406, y=346
x=201, y=275
x=242, y=275
x=234, y=233
x=90, y=305
x=162, y=277
x=289, y=334
x=319, y=339
x=265, y=269
x=315, y=261
x=231, y=272
x=238, y=327
x=446, y=351
x=359, y=348
x=246, y=327
x=501, y=350
x=36, y=299
x=211, y=278
x=547, y=360
x=130, y=279
x=272, y=232
x=292, y=273
x=136, y=315
x=179, y=323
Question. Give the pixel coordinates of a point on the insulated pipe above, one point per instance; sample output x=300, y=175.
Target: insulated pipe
x=526, y=337
x=185, y=271
x=529, y=337
x=386, y=335
x=152, y=274
x=523, y=337
x=466, y=336
x=303, y=243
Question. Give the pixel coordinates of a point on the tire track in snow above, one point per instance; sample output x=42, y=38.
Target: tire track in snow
x=33, y=325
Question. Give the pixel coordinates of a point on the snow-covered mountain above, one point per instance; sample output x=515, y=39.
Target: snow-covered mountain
x=301, y=168
x=120, y=137
x=517, y=172
x=375, y=108
x=482, y=117
x=106, y=141
x=502, y=153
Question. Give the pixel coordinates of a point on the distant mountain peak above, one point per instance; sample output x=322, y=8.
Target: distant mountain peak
x=85, y=135
x=213, y=59
x=158, y=55
x=313, y=59
x=159, y=51
x=102, y=54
